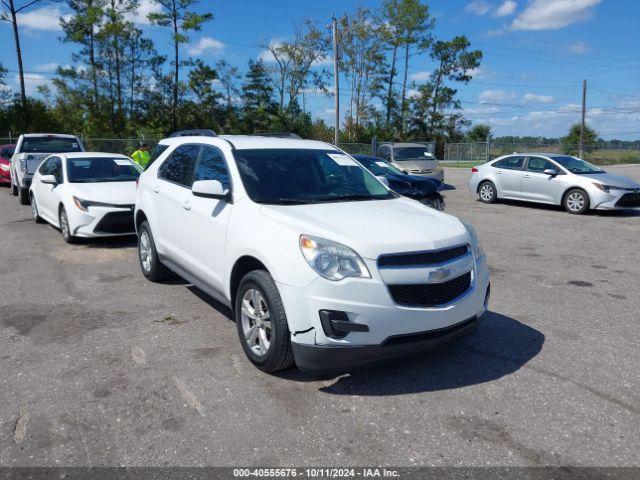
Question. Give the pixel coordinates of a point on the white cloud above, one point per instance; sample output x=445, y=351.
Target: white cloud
x=507, y=8
x=534, y=98
x=495, y=96
x=266, y=55
x=47, y=67
x=46, y=18
x=553, y=14
x=412, y=93
x=480, y=73
x=422, y=76
x=479, y=7
x=207, y=44
x=578, y=48
x=139, y=16
x=32, y=81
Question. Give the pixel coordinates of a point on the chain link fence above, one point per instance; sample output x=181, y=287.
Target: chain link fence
x=600, y=154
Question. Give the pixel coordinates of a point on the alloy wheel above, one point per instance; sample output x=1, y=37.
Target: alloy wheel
x=34, y=209
x=256, y=322
x=486, y=192
x=64, y=225
x=145, y=251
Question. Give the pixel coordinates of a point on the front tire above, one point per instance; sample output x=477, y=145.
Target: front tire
x=65, y=229
x=576, y=201
x=262, y=323
x=34, y=211
x=23, y=195
x=152, y=268
x=487, y=192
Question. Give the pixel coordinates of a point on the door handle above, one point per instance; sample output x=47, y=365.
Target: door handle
x=186, y=205
x=499, y=172
x=527, y=176
x=156, y=189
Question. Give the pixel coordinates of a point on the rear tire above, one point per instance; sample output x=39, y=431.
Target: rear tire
x=152, y=268
x=65, y=229
x=576, y=201
x=487, y=192
x=23, y=193
x=262, y=323
x=34, y=211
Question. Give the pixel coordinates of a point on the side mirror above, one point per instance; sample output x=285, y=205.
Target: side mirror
x=550, y=171
x=49, y=179
x=210, y=189
x=383, y=179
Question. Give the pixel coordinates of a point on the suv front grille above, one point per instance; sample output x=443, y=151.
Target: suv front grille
x=430, y=294
x=416, y=259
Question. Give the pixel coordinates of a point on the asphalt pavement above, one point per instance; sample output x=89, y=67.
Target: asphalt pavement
x=100, y=367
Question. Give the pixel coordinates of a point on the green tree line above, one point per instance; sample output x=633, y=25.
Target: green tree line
x=119, y=85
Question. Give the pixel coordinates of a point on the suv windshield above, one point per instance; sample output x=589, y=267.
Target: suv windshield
x=299, y=176
x=50, y=144
x=379, y=167
x=575, y=165
x=101, y=169
x=411, y=153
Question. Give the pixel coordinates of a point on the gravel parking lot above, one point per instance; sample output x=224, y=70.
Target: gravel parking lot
x=100, y=367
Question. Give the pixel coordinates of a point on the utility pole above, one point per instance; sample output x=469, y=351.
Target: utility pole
x=334, y=27
x=584, y=108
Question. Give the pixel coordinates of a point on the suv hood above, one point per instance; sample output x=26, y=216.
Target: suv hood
x=612, y=180
x=375, y=227
x=116, y=193
x=417, y=164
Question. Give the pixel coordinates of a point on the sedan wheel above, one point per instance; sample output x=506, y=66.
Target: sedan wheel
x=64, y=227
x=34, y=211
x=576, y=201
x=487, y=192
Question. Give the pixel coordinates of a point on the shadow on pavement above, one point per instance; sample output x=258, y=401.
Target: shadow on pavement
x=500, y=347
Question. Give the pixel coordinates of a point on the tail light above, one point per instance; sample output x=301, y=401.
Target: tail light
x=474, y=170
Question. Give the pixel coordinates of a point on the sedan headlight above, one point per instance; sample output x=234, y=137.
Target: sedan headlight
x=332, y=260
x=476, y=243
x=85, y=204
x=607, y=188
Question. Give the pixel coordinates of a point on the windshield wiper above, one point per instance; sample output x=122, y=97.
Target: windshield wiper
x=348, y=198
x=284, y=201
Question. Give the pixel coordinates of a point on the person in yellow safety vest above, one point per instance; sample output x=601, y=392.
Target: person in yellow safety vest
x=141, y=156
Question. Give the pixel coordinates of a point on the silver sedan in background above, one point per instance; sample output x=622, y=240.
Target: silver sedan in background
x=555, y=179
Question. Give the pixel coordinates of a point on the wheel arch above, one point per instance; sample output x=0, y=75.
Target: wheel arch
x=141, y=217
x=242, y=266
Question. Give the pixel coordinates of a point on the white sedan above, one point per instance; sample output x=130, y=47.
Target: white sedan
x=86, y=194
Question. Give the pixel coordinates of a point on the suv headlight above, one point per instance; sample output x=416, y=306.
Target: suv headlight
x=332, y=260
x=476, y=243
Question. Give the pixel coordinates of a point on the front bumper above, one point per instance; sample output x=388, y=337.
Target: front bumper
x=329, y=358
x=614, y=200
x=435, y=174
x=101, y=222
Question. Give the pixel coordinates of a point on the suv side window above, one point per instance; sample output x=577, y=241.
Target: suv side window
x=178, y=168
x=537, y=164
x=211, y=166
x=385, y=152
x=510, y=163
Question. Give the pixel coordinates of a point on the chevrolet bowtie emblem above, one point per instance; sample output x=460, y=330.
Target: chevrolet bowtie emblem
x=439, y=275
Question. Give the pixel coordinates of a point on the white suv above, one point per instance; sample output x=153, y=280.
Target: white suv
x=320, y=262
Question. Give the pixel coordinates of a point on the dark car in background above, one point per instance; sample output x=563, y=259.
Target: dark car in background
x=423, y=189
x=6, y=152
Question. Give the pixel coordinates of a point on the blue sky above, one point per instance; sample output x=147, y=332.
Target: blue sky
x=536, y=54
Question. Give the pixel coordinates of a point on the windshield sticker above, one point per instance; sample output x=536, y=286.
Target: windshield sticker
x=82, y=163
x=74, y=145
x=342, y=159
x=122, y=163
x=382, y=164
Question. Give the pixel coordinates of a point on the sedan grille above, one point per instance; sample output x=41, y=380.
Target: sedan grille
x=629, y=200
x=116, y=222
x=416, y=259
x=430, y=294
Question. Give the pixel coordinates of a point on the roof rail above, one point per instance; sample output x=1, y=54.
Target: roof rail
x=278, y=135
x=194, y=133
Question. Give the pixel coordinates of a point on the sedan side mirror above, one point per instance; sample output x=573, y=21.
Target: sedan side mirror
x=210, y=189
x=383, y=179
x=49, y=179
x=550, y=171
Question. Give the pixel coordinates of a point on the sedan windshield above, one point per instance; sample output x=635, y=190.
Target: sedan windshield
x=300, y=176
x=50, y=144
x=379, y=167
x=101, y=169
x=412, y=153
x=577, y=166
